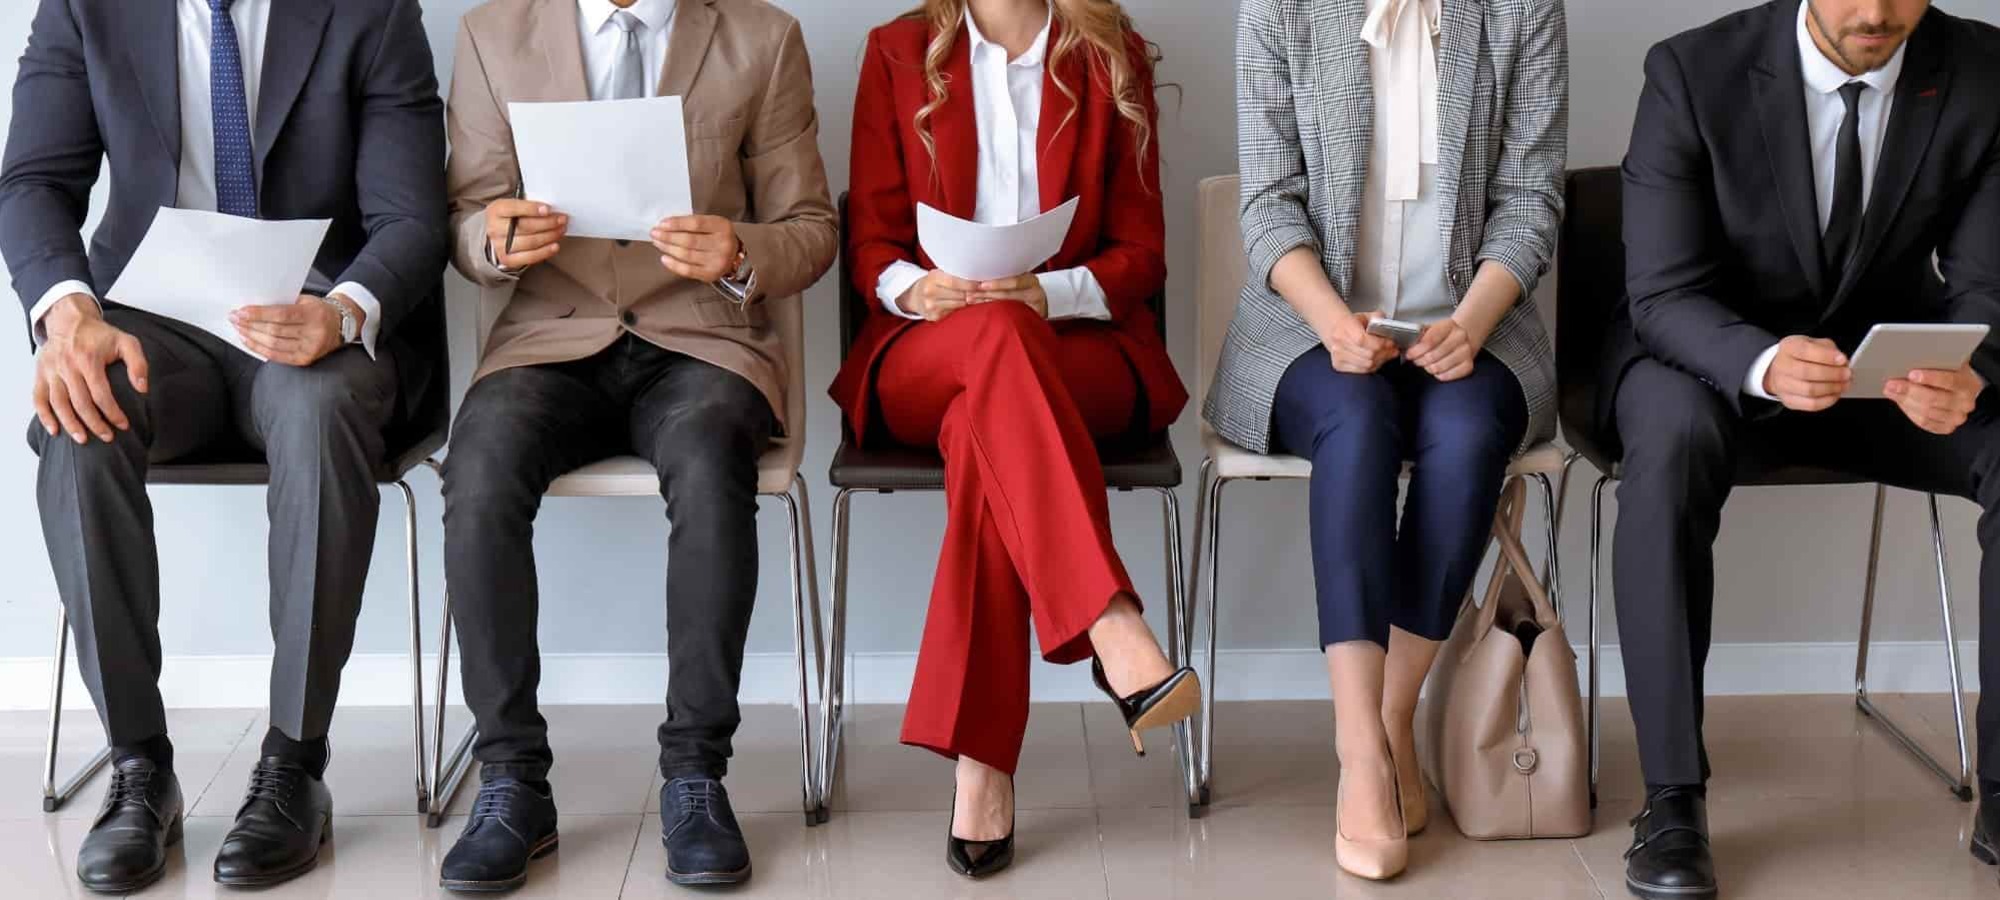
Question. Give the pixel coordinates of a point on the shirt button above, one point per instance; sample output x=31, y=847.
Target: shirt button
x=628, y=318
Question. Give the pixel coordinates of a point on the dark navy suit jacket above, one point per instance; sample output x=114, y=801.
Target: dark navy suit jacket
x=348, y=127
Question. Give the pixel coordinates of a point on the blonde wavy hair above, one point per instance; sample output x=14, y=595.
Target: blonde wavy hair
x=1099, y=29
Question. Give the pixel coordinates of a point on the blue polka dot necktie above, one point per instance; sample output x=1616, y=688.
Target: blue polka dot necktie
x=235, y=172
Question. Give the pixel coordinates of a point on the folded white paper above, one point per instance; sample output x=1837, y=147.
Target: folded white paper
x=198, y=266
x=615, y=167
x=978, y=252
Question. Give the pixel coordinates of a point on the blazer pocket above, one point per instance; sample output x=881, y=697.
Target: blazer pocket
x=536, y=308
x=723, y=312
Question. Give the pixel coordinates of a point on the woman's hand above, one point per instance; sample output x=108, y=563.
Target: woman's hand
x=936, y=296
x=1446, y=351
x=1353, y=349
x=1020, y=289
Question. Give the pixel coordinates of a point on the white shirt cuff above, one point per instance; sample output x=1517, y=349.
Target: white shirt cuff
x=371, y=309
x=494, y=261
x=48, y=302
x=1753, y=383
x=1074, y=294
x=894, y=282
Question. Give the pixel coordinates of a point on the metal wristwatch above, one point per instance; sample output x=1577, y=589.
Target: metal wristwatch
x=350, y=330
x=741, y=282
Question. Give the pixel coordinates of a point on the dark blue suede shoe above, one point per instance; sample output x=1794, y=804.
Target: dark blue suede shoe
x=511, y=823
x=704, y=844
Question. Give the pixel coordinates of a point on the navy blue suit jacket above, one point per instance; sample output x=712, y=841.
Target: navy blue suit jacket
x=349, y=127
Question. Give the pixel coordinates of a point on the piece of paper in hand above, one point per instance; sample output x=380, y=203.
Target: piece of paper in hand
x=198, y=266
x=615, y=167
x=978, y=252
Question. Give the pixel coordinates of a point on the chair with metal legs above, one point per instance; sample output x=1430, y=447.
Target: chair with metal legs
x=1149, y=464
x=410, y=444
x=1222, y=266
x=631, y=476
x=1590, y=278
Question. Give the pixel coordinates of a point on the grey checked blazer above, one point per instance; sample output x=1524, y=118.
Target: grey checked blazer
x=1305, y=110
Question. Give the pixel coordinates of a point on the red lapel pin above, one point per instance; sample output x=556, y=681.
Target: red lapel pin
x=1928, y=92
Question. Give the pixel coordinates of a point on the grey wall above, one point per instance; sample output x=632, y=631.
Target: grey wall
x=1790, y=560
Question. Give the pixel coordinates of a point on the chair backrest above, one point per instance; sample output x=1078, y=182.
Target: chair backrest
x=855, y=306
x=1590, y=284
x=1220, y=271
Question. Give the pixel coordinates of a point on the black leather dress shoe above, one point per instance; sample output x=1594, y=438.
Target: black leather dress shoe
x=1986, y=830
x=126, y=848
x=704, y=844
x=1669, y=857
x=511, y=823
x=285, y=817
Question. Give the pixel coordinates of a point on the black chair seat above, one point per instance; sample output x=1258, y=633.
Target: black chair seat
x=248, y=469
x=1146, y=464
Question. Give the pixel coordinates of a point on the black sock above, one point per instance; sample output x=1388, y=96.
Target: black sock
x=156, y=748
x=1988, y=787
x=311, y=755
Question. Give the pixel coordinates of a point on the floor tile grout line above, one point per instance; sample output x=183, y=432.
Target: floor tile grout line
x=1595, y=884
x=632, y=855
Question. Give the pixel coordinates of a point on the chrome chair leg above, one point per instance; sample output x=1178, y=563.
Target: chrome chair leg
x=795, y=534
x=1177, y=615
x=833, y=692
x=818, y=640
x=1551, y=567
x=447, y=770
x=1594, y=626
x=55, y=795
x=1210, y=543
x=1959, y=785
x=416, y=645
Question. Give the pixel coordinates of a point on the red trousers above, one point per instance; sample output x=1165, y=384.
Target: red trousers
x=1014, y=406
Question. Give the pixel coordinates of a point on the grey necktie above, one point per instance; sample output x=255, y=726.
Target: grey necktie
x=628, y=76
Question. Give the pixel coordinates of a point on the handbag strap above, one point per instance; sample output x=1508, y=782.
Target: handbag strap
x=1513, y=562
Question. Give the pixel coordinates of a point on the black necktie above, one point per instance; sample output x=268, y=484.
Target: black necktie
x=1843, y=228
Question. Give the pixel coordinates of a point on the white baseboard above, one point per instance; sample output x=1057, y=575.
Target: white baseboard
x=383, y=679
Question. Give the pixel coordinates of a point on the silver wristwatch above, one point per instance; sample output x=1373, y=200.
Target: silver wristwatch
x=740, y=284
x=350, y=330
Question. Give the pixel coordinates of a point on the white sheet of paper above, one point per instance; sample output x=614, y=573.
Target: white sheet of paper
x=978, y=252
x=615, y=167
x=198, y=266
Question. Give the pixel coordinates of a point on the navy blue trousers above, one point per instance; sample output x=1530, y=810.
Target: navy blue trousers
x=1358, y=430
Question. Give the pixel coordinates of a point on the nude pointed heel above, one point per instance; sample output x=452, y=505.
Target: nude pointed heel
x=1378, y=859
x=1414, y=796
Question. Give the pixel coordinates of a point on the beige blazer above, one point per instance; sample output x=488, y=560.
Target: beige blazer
x=753, y=151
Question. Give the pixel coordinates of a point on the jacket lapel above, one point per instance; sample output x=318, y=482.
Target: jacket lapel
x=290, y=47
x=1778, y=93
x=955, y=131
x=1343, y=115
x=561, y=46
x=1921, y=93
x=1056, y=139
x=1462, y=30
x=154, y=38
x=694, y=25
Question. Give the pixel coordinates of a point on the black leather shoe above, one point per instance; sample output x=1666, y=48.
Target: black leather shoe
x=704, y=844
x=1986, y=829
x=1669, y=857
x=511, y=823
x=1172, y=700
x=126, y=848
x=991, y=857
x=285, y=817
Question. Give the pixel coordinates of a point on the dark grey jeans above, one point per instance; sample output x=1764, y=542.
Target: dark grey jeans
x=519, y=429
x=320, y=429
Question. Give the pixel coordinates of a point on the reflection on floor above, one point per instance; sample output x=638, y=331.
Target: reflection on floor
x=1809, y=802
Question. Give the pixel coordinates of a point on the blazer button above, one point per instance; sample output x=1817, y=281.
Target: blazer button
x=624, y=243
x=628, y=318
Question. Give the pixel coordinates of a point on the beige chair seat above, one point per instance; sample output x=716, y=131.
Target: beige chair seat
x=1232, y=462
x=630, y=476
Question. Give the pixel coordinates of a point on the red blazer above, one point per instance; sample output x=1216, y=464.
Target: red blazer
x=1094, y=157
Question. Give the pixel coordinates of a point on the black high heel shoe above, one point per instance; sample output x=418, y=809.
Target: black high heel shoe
x=1163, y=704
x=994, y=856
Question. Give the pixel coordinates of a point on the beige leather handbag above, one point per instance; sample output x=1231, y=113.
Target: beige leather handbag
x=1507, y=746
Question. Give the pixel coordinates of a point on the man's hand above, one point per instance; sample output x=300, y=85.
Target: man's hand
x=1446, y=350
x=71, y=391
x=538, y=232
x=1354, y=350
x=1020, y=289
x=936, y=296
x=294, y=334
x=698, y=248
x=1808, y=374
x=1937, y=401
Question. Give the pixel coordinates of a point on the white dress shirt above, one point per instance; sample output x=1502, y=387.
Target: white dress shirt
x=1007, y=102
x=196, y=184
x=1825, y=112
x=602, y=44
x=1399, y=254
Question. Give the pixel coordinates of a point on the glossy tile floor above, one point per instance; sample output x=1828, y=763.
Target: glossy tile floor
x=1810, y=803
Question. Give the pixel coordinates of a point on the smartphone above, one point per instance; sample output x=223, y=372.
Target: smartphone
x=1403, y=334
